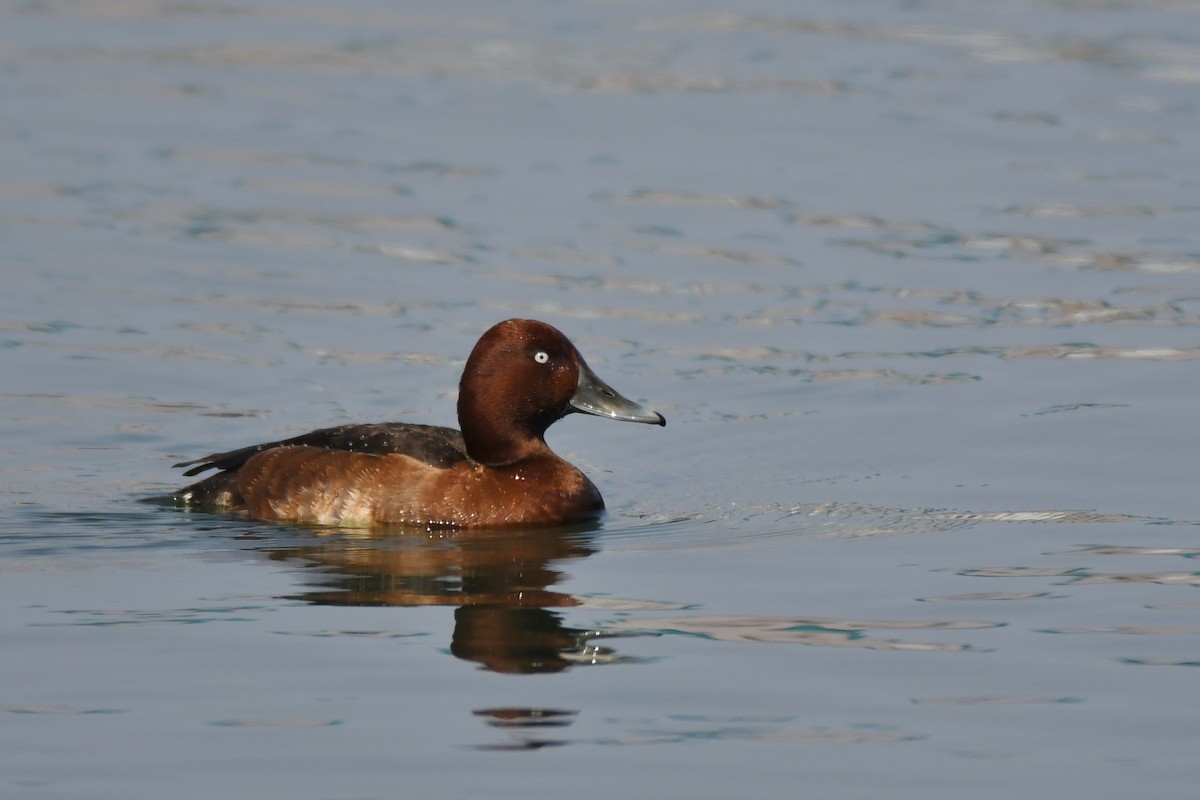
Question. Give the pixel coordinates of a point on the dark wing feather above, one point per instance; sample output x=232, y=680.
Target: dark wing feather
x=436, y=446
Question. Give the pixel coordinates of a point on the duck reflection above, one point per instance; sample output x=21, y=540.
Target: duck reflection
x=501, y=581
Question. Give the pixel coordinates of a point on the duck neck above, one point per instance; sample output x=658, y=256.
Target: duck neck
x=491, y=436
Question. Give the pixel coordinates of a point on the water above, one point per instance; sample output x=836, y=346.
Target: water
x=915, y=285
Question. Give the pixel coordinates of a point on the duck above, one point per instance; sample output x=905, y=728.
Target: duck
x=496, y=471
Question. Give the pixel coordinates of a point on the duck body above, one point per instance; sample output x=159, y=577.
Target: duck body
x=522, y=376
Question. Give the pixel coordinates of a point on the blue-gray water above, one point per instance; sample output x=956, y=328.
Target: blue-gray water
x=917, y=286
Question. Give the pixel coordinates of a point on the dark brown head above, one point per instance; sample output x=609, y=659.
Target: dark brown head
x=522, y=377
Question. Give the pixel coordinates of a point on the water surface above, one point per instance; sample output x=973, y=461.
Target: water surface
x=915, y=284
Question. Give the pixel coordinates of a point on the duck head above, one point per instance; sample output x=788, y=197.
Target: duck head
x=522, y=377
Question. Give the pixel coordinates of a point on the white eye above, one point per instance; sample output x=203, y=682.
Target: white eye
x=541, y=356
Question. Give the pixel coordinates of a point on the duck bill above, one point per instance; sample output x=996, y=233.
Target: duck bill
x=594, y=396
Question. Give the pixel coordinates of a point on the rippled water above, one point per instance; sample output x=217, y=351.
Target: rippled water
x=915, y=284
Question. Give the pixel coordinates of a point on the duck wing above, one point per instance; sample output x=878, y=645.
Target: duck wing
x=436, y=446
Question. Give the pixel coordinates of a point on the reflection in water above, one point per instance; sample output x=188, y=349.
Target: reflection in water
x=524, y=640
x=520, y=720
x=500, y=580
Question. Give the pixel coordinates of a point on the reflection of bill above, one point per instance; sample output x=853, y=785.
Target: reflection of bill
x=501, y=581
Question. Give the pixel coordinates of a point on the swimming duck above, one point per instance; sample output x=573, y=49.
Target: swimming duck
x=521, y=377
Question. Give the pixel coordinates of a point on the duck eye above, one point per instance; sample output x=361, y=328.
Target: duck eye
x=541, y=356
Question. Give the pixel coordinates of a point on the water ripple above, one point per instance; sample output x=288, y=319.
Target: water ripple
x=808, y=631
x=996, y=700
x=737, y=524
x=59, y=710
